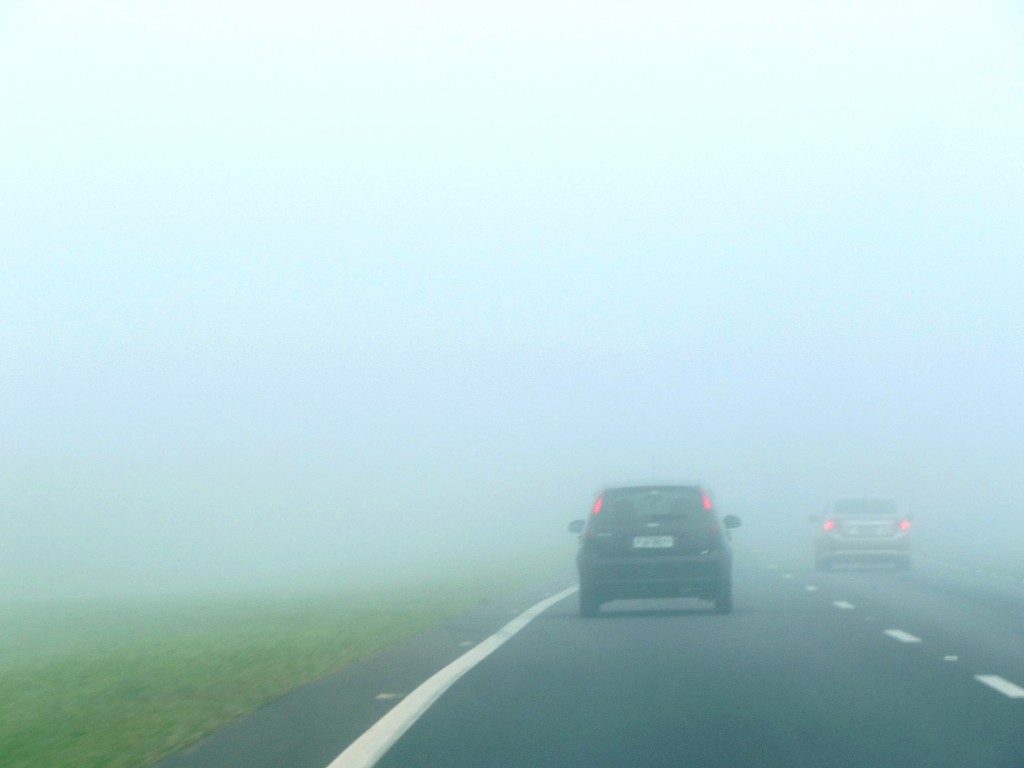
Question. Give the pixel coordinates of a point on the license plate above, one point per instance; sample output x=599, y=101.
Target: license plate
x=652, y=542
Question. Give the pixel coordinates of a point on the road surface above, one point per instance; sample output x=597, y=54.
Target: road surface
x=848, y=668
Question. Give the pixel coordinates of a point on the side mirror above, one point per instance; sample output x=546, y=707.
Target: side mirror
x=731, y=521
x=576, y=526
x=813, y=519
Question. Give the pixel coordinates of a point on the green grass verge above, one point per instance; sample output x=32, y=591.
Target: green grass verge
x=122, y=684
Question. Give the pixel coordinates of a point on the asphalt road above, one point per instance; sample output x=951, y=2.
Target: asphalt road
x=848, y=668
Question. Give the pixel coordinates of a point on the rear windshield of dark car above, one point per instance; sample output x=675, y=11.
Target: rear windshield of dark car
x=633, y=503
x=865, y=507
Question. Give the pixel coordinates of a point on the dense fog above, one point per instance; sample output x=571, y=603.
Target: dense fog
x=334, y=293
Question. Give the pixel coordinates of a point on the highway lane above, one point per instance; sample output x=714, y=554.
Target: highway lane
x=789, y=680
x=845, y=668
x=966, y=610
x=975, y=616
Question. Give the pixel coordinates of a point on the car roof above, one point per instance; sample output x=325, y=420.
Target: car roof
x=653, y=488
x=863, y=500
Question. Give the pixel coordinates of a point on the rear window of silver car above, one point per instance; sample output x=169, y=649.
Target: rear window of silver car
x=865, y=507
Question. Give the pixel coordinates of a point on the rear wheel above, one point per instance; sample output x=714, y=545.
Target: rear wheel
x=723, y=599
x=903, y=563
x=823, y=564
x=590, y=604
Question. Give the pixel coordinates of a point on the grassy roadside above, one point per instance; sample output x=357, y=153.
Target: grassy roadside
x=122, y=684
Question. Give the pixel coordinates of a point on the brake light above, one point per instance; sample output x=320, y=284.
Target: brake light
x=830, y=525
x=706, y=501
x=905, y=525
x=597, y=506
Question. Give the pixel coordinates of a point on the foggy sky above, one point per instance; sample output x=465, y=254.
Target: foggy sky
x=297, y=292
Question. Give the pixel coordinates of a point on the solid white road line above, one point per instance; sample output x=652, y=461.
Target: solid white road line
x=371, y=746
x=950, y=658
x=811, y=588
x=843, y=605
x=1005, y=687
x=903, y=637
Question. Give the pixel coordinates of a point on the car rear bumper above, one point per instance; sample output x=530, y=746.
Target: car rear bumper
x=896, y=547
x=624, y=577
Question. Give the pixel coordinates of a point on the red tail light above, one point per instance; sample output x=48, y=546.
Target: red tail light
x=709, y=507
x=597, y=506
x=905, y=525
x=830, y=525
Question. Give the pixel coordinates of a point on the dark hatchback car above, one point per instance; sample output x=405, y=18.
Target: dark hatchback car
x=654, y=541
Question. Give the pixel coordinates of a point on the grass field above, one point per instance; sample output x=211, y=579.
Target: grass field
x=121, y=684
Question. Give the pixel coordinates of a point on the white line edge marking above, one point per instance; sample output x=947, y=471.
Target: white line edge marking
x=950, y=658
x=811, y=588
x=903, y=637
x=843, y=605
x=379, y=738
x=1005, y=687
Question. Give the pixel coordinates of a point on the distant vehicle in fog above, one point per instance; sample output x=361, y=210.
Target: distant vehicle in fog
x=654, y=541
x=862, y=530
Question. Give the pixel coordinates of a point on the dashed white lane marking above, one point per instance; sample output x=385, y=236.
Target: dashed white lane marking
x=903, y=637
x=371, y=746
x=843, y=605
x=787, y=575
x=465, y=643
x=1005, y=687
x=950, y=658
x=772, y=566
x=386, y=696
x=811, y=588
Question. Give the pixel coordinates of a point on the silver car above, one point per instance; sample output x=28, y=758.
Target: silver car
x=869, y=530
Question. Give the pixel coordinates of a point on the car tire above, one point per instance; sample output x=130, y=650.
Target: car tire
x=723, y=600
x=590, y=603
x=823, y=564
x=903, y=563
